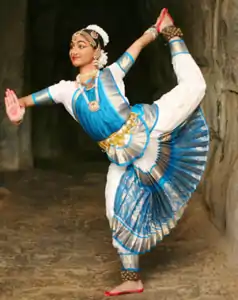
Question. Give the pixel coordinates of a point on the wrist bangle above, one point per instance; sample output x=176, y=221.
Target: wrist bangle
x=153, y=31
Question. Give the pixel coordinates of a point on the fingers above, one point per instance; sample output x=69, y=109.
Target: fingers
x=7, y=101
x=8, y=96
x=12, y=97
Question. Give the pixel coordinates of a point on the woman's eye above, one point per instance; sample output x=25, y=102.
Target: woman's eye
x=81, y=46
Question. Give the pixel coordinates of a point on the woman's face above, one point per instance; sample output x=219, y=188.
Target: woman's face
x=81, y=52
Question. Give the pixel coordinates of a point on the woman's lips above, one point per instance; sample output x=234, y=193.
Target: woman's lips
x=74, y=57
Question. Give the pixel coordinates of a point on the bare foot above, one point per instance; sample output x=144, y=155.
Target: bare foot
x=127, y=287
x=164, y=20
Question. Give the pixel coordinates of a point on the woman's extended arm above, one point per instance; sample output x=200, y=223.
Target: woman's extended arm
x=15, y=107
x=125, y=62
x=135, y=49
x=26, y=101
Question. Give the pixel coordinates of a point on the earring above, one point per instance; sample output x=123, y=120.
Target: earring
x=96, y=57
x=95, y=61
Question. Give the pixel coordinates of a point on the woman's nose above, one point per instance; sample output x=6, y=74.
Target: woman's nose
x=73, y=52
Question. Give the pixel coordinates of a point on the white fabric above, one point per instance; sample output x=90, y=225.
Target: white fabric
x=63, y=92
x=113, y=179
x=174, y=109
x=114, y=175
x=118, y=75
x=180, y=102
x=147, y=161
x=117, y=72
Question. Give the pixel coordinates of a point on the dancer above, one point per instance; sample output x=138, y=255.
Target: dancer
x=157, y=152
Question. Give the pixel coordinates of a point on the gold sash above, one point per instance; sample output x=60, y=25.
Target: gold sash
x=118, y=139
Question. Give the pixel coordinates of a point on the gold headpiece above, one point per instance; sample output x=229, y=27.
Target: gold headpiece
x=90, y=37
x=95, y=31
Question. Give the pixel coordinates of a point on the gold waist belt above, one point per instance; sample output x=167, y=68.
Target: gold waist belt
x=119, y=138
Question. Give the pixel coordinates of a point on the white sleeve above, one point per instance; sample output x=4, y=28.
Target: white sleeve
x=176, y=106
x=63, y=92
x=54, y=93
x=57, y=91
x=117, y=72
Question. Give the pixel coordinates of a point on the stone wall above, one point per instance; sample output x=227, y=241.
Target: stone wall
x=15, y=142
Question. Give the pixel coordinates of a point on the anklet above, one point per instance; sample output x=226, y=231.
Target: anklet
x=129, y=275
x=170, y=32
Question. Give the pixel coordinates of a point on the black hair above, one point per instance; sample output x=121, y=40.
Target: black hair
x=98, y=40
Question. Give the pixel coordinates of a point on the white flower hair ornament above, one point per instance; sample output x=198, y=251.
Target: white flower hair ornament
x=103, y=58
x=101, y=32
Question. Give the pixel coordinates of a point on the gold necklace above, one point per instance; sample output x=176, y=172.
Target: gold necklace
x=94, y=72
x=89, y=84
x=91, y=74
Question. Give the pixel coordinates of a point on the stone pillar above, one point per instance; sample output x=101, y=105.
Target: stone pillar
x=15, y=142
x=222, y=106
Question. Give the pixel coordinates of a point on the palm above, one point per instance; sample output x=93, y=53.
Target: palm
x=13, y=109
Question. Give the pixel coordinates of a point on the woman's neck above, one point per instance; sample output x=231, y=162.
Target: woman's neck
x=86, y=73
x=87, y=69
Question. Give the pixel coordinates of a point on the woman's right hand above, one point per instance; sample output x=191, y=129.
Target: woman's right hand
x=14, y=110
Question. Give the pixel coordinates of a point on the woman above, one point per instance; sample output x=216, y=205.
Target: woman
x=158, y=152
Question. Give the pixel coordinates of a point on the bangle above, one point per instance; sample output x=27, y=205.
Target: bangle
x=153, y=31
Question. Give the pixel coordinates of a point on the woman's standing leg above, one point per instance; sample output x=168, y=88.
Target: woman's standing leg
x=129, y=261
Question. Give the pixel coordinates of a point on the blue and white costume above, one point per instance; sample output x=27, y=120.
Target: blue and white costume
x=158, y=152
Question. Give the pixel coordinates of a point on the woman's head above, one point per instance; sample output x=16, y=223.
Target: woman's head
x=87, y=47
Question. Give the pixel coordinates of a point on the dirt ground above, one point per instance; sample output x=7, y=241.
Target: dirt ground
x=55, y=244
